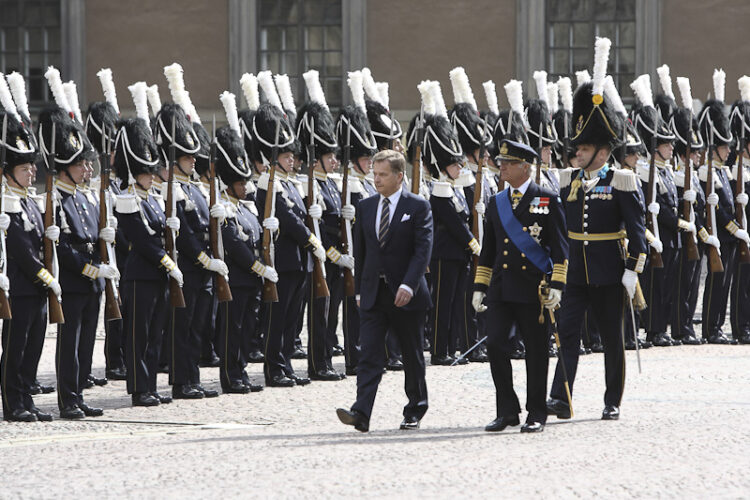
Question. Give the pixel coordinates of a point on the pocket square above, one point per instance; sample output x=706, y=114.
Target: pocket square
x=405, y=217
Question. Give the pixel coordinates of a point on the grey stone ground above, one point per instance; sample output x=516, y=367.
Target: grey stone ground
x=684, y=432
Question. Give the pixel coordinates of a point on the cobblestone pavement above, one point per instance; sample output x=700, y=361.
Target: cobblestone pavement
x=684, y=432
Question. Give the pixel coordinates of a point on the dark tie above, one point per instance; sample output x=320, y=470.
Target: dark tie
x=517, y=195
x=384, y=221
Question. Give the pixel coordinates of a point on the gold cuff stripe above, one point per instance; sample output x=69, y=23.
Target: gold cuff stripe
x=641, y=263
x=168, y=263
x=703, y=234
x=45, y=276
x=732, y=227
x=90, y=271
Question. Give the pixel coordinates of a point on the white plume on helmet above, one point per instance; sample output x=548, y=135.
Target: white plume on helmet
x=685, y=95
x=284, y=89
x=71, y=93
x=229, y=102
x=720, y=79
x=665, y=80
x=356, y=86
x=428, y=104
x=154, y=100
x=461, y=88
x=6, y=99
x=56, y=86
x=108, y=87
x=540, y=78
x=18, y=89
x=610, y=90
x=138, y=91
x=601, y=57
x=582, y=77
x=249, y=84
x=566, y=93
x=490, y=93
x=314, y=89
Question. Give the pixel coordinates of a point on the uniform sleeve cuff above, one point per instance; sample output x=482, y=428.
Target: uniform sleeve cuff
x=483, y=275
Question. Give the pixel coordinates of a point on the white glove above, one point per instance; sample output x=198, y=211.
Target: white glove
x=689, y=195
x=713, y=241
x=319, y=253
x=712, y=199
x=553, y=299
x=112, y=222
x=271, y=223
x=481, y=208
x=107, y=234
x=476, y=302
x=653, y=208
x=52, y=233
x=217, y=266
x=4, y=221
x=629, y=280
x=4, y=283
x=315, y=211
x=177, y=275
x=265, y=272
x=657, y=245
x=54, y=285
x=691, y=228
x=741, y=234
x=218, y=212
x=347, y=212
x=742, y=199
x=107, y=271
x=173, y=223
x=346, y=261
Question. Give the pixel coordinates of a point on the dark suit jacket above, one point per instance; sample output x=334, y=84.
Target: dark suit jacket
x=405, y=256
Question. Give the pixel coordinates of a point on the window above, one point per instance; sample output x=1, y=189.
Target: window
x=297, y=35
x=30, y=42
x=571, y=27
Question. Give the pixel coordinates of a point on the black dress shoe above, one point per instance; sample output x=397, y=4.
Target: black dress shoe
x=719, y=338
x=90, y=411
x=676, y=341
x=518, y=354
x=581, y=352
x=299, y=380
x=394, y=365
x=355, y=418
x=46, y=389
x=500, y=423
x=325, y=375
x=662, y=339
x=256, y=357
x=163, y=369
x=744, y=338
x=117, y=374
x=597, y=347
x=186, y=392
x=253, y=387
x=236, y=388
x=461, y=361
x=559, y=408
x=34, y=390
x=611, y=413
x=144, y=399
x=280, y=381
x=20, y=416
x=409, y=424
x=40, y=415
x=478, y=355
x=165, y=400
x=209, y=361
x=351, y=371
x=442, y=360
x=299, y=353
x=207, y=393
x=99, y=381
x=645, y=344
x=532, y=427
x=630, y=345
x=88, y=383
x=72, y=413
x=690, y=339
x=337, y=350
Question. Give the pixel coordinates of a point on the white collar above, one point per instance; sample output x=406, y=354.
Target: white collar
x=393, y=198
x=523, y=187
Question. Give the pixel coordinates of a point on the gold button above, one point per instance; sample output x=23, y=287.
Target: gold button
x=525, y=229
x=505, y=266
x=523, y=268
x=505, y=252
x=523, y=255
x=505, y=240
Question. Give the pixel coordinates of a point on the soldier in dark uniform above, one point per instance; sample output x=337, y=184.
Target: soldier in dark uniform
x=541, y=132
x=602, y=208
x=525, y=244
x=30, y=280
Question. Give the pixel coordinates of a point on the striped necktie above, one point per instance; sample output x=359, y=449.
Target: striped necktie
x=385, y=216
x=517, y=195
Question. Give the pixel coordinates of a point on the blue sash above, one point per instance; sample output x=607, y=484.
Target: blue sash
x=536, y=254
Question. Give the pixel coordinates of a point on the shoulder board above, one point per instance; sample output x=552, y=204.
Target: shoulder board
x=231, y=210
x=679, y=178
x=179, y=194
x=355, y=186
x=95, y=183
x=127, y=204
x=554, y=172
x=442, y=190
x=11, y=204
x=338, y=179
x=263, y=183
x=466, y=178
x=624, y=180
x=642, y=172
x=250, y=205
x=565, y=175
x=703, y=176
x=92, y=196
x=159, y=199
x=745, y=176
x=40, y=200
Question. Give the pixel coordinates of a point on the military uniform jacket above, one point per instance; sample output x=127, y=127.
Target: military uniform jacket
x=243, y=242
x=451, y=215
x=598, y=220
x=78, y=249
x=725, y=209
x=143, y=223
x=192, y=210
x=667, y=198
x=487, y=193
x=24, y=243
x=745, y=181
x=330, y=223
x=699, y=205
x=504, y=273
x=550, y=179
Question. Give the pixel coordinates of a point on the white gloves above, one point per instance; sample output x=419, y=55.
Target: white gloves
x=271, y=223
x=553, y=299
x=689, y=195
x=107, y=271
x=476, y=302
x=177, y=275
x=742, y=199
x=319, y=253
x=4, y=283
x=712, y=199
x=713, y=241
x=218, y=212
x=657, y=245
x=346, y=261
x=55, y=287
x=690, y=228
x=265, y=272
x=107, y=234
x=653, y=208
x=52, y=233
x=481, y=208
x=315, y=211
x=629, y=281
x=741, y=234
x=112, y=222
x=173, y=223
x=347, y=212
x=4, y=221
x=217, y=266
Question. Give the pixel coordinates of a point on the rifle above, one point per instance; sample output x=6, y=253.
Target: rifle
x=476, y=222
x=319, y=274
x=416, y=171
x=346, y=225
x=691, y=246
x=5, y=312
x=538, y=161
x=270, y=293
x=714, y=258
x=566, y=143
x=223, y=293
x=50, y=247
x=111, y=303
x=176, y=298
x=739, y=188
x=651, y=222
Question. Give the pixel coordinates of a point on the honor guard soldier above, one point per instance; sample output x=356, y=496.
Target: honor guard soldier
x=563, y=154
x=242, y=239
x=490, y=117
x=602, y=209
x=22, y=221
x=525, y=249
x=716, y=132
x=541, y=132
x=385, y=128
x=316, y=134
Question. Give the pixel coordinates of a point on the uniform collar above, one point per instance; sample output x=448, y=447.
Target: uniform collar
x=65, y=186
x=140, y=192
x=181, y=178
x=661, y=163
x=601, y=172
x=321, y=176
x=22, y=192
x=234, y=201
x=393, y=198
x=523, y=187
x=356, y=174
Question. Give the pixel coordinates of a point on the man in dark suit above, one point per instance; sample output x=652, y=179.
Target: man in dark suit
x=392, y=246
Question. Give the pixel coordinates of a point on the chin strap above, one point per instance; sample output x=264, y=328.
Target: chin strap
x=577, y=183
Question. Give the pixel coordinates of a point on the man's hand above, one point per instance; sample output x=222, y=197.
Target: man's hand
x=402, y=298
x=476, y=301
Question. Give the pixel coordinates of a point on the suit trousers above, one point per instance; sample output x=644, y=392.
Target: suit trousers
x=147, y=307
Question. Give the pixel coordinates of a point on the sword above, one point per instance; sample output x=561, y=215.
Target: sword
x=560, y=359
x=635, y=333
x=481, y=341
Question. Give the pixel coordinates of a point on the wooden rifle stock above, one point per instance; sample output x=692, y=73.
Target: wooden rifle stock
x=345, y=224
x=223, y=292
x=478, y=196
x=416, y=171
x=739, y=188
x=54, y=312
x=176, y=298
x=691, y=247
x=651, y=223
x=714, y=259
x=269, y=293
x=111, y=303
x=320, y=287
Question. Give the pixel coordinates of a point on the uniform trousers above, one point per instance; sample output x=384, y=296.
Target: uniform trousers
x=282, y=322
x=147, y=306
x=716, y=292
x=236, y=321
x=187, y=327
